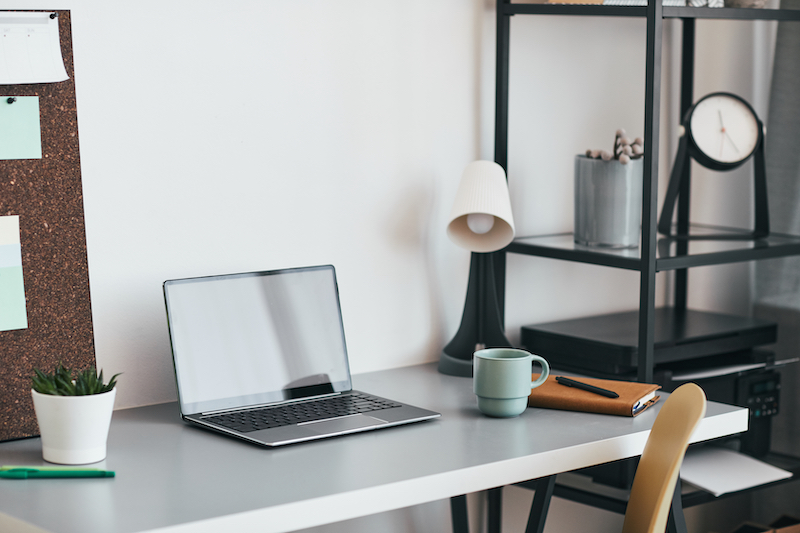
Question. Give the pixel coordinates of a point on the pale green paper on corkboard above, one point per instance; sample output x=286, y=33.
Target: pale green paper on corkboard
x=20, y=131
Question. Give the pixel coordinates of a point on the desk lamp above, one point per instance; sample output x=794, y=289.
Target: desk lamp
x=480, y=222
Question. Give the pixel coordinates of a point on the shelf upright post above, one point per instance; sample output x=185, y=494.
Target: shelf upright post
x=652, y=107
x=687, y=98
x=501, y=130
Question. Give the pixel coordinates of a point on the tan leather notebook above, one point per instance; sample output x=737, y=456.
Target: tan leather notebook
x=633, y=397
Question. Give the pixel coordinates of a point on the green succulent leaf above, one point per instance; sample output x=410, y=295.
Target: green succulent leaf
x=62, y=383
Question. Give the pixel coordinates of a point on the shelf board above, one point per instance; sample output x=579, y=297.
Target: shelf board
x=562, y=246
x=591, y=10
x=710, y=245
x=600, y=10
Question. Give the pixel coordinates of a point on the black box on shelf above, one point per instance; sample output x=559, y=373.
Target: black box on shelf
x=609, y=344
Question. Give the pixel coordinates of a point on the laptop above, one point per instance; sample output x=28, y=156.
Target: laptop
x=261, y=356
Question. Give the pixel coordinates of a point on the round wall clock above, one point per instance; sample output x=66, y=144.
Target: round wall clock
x=720, y=131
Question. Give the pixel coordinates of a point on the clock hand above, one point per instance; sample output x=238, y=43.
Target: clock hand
x=732, y=143
x=725, y=134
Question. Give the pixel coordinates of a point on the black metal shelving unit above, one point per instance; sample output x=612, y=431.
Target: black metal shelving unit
x=655, y=254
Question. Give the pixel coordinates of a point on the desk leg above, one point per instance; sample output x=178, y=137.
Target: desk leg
x=541, y=503
x=458, y=513
x=676, y=522
x=495, y=510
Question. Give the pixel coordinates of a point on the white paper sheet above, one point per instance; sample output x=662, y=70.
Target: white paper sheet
x=30, y=49
x=719, y=471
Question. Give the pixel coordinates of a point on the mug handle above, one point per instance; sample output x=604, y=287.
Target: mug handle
x=545, y=371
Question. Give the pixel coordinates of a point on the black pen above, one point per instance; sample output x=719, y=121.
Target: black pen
x=585, y=386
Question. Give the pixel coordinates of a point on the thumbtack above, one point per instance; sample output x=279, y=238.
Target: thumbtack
x=53, y=15
x=11, y=99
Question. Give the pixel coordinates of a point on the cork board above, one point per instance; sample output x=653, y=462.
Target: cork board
x=47, y=196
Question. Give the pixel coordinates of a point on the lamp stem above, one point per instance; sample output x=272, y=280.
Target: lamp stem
x=481, y=325
x=482, y=288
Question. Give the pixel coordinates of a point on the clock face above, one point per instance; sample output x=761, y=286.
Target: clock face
x=724, y=128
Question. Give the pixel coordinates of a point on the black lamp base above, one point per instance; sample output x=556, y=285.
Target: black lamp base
x=453, y=366
x=481, y=326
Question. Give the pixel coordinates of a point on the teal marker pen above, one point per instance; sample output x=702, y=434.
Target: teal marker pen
x=34, y=472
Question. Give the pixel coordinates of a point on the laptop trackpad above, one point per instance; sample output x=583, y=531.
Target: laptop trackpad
x=347, y=423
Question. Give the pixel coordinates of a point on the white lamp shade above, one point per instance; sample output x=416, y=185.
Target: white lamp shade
x=483, y=190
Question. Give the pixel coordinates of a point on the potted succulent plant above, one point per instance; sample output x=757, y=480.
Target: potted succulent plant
x=74, y=414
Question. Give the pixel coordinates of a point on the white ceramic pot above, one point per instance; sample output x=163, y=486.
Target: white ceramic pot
x=74, y=429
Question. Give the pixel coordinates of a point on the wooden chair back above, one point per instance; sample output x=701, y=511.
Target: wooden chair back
x=659, y=467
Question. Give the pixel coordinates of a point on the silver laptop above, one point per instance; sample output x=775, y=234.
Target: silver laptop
x=261, y=356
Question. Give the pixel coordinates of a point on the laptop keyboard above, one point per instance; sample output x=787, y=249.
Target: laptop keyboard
x=296, y=413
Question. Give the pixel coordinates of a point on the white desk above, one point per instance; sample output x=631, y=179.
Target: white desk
x=176, y=478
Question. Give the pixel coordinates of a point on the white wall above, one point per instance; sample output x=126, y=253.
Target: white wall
x=230, y=136
x=239, y=135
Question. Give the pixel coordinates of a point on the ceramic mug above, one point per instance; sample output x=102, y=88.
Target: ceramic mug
x=502, y=380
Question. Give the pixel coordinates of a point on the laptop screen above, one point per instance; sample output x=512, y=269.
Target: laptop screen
x=254, y=338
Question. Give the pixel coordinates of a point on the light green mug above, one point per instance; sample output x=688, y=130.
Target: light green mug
x=502, y=380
